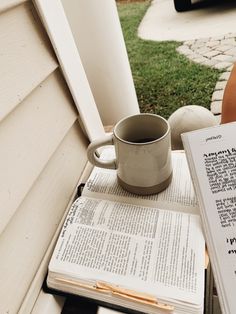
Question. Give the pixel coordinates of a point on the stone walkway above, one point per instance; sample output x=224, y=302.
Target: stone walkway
x=216, y=52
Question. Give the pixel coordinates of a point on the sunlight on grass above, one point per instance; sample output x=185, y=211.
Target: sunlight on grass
x=164, y=80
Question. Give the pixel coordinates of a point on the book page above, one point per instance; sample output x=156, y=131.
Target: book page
x=178, y=196
x=212, y=158
x=140, y=248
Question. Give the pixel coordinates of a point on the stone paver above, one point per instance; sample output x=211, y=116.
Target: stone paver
x=220, y=85
x=216, y=107
x=217, y=95
x=224, y=76
x=216, y=52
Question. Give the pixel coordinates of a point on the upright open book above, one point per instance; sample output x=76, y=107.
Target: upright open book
x=144, y=253
x=211, y=154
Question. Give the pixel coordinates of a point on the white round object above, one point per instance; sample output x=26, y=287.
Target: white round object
x=189, y=118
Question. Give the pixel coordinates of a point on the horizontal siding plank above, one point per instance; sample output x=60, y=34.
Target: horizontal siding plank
x=26, y=55
x=9, y=4
x=28, y=138
x=36, y=284
x=26, y=238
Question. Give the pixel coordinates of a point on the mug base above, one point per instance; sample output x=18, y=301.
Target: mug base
x=142, y=190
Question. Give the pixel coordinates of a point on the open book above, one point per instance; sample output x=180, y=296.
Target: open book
x=133, y=251
x=211, y=154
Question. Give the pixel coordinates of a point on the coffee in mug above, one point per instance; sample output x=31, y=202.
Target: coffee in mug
x=143, y=153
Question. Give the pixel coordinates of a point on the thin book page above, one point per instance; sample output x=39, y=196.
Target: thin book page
x=212, y=158
x=133, y=246
x=179, y=195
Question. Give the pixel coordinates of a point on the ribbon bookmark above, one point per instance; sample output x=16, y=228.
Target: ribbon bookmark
x=143, y=298
x=134, y=295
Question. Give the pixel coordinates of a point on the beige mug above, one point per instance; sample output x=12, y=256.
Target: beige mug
x=143, y=153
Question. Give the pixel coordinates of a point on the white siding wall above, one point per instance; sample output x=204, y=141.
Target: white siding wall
x=43, y=154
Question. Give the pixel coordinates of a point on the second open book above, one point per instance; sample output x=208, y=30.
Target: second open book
x=144, y=253
x=211, y=154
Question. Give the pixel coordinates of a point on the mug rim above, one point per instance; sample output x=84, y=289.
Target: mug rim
x=144, y=143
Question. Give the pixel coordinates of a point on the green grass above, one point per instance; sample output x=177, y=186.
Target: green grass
x=164, y=79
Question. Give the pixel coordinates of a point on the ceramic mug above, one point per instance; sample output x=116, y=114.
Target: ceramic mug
x=143, y=153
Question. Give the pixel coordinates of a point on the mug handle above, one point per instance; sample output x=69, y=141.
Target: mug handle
x=92, y=156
